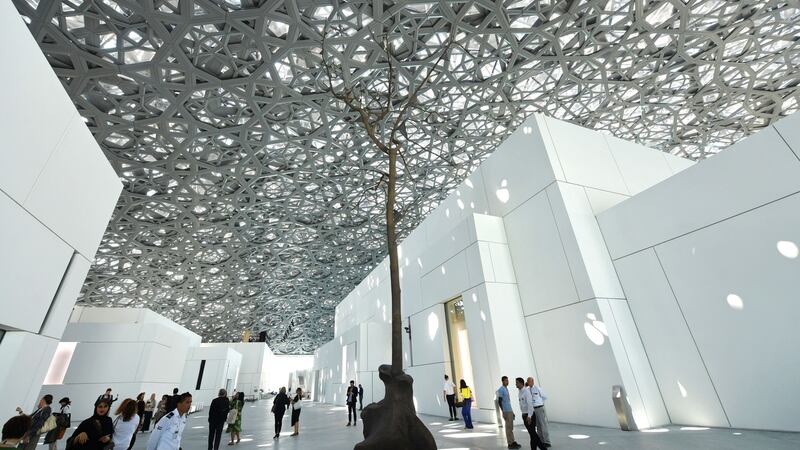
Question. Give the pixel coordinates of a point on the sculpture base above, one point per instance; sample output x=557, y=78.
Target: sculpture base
x=392, y=423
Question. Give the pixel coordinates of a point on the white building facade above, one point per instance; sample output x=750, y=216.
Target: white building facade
x=549, y=256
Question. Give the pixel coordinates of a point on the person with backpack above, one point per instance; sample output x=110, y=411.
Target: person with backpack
x=63, y=423
x=217, y=417
x=235, y=427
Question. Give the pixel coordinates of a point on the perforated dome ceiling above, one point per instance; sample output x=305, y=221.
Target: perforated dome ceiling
x=248, y=203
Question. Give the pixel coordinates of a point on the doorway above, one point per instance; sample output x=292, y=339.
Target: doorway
x=458, y=340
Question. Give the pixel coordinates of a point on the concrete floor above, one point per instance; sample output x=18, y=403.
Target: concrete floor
x=323, y=427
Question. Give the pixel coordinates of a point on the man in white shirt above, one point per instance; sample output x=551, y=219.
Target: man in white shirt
x=528, y=414
x=449, y=391
x=541, y=415
x=169, y=429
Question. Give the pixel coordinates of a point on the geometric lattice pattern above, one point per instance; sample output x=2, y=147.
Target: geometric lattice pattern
x=249, y=201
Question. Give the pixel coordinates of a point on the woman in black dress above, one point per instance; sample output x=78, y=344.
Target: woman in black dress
x=296, y=404
x=95, y=432
x=279, y=409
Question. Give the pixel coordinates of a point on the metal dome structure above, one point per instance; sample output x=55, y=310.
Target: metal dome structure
x=249, y=198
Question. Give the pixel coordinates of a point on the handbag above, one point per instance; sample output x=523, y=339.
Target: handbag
x=48, y=425
x=233, y=414
x=63, y=420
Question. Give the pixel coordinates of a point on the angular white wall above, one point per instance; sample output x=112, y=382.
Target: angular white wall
x=57, y=193
x=220, y=370
x=255, y=365
x=709, y=263
x=518, y=240
x=130, y=350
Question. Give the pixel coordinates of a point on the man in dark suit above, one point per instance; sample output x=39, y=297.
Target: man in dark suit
x=172, y=403
x=360, y=397
x=217, y=416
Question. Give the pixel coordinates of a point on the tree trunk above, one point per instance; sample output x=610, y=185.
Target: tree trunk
x=392, y=423
x=394, y=266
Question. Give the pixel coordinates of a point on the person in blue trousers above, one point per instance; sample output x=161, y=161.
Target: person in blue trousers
x=467, y=397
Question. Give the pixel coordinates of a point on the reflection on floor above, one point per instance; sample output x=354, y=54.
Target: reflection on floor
x=323, y=427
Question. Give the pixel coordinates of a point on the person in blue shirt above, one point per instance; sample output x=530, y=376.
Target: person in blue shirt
x=504, y=401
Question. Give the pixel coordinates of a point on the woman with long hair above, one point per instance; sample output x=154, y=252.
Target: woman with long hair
x=95, y=432
x=125, y=424
x=296, y=405
x=466, y=395
x=235, y=428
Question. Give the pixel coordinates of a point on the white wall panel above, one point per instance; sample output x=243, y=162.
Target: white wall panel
x=751, y=346
x=677, y=164
x=66, y=296
x=585, y=157
x=77, y=190
x=446, y=281
x=29, y=357
x=429, y=336
x=593, y=252
x=41, y=108
x=541, y=267
x=428, y=382
x=644, y=397
x=32, y=263
x=684, y=383
x=641, y=167
x=522, y=162
x=576, y=373
x=750, y=173
x=603, y=200
x=569, y=240
x=789, y=129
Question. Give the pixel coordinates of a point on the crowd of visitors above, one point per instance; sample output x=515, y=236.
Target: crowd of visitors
x=531, y=403
x=117, y=431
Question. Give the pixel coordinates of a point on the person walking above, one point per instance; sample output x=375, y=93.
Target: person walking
x=63, y=423
x=542, y=426
x=351, y=398
x=217, y=416
x=149, y=409
x=528, y=413
x=108, y=397
x=279, y=405
x=360, y=397
x=504, y=402
x=95, y=432
x=169, y=430
x=161, y=409
x=235, y=428
x=125, y=425
x=449, y=391
x=38, y=419
x=296, y=405
x=14, y=430
x=468, y=398
x=172, y=402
